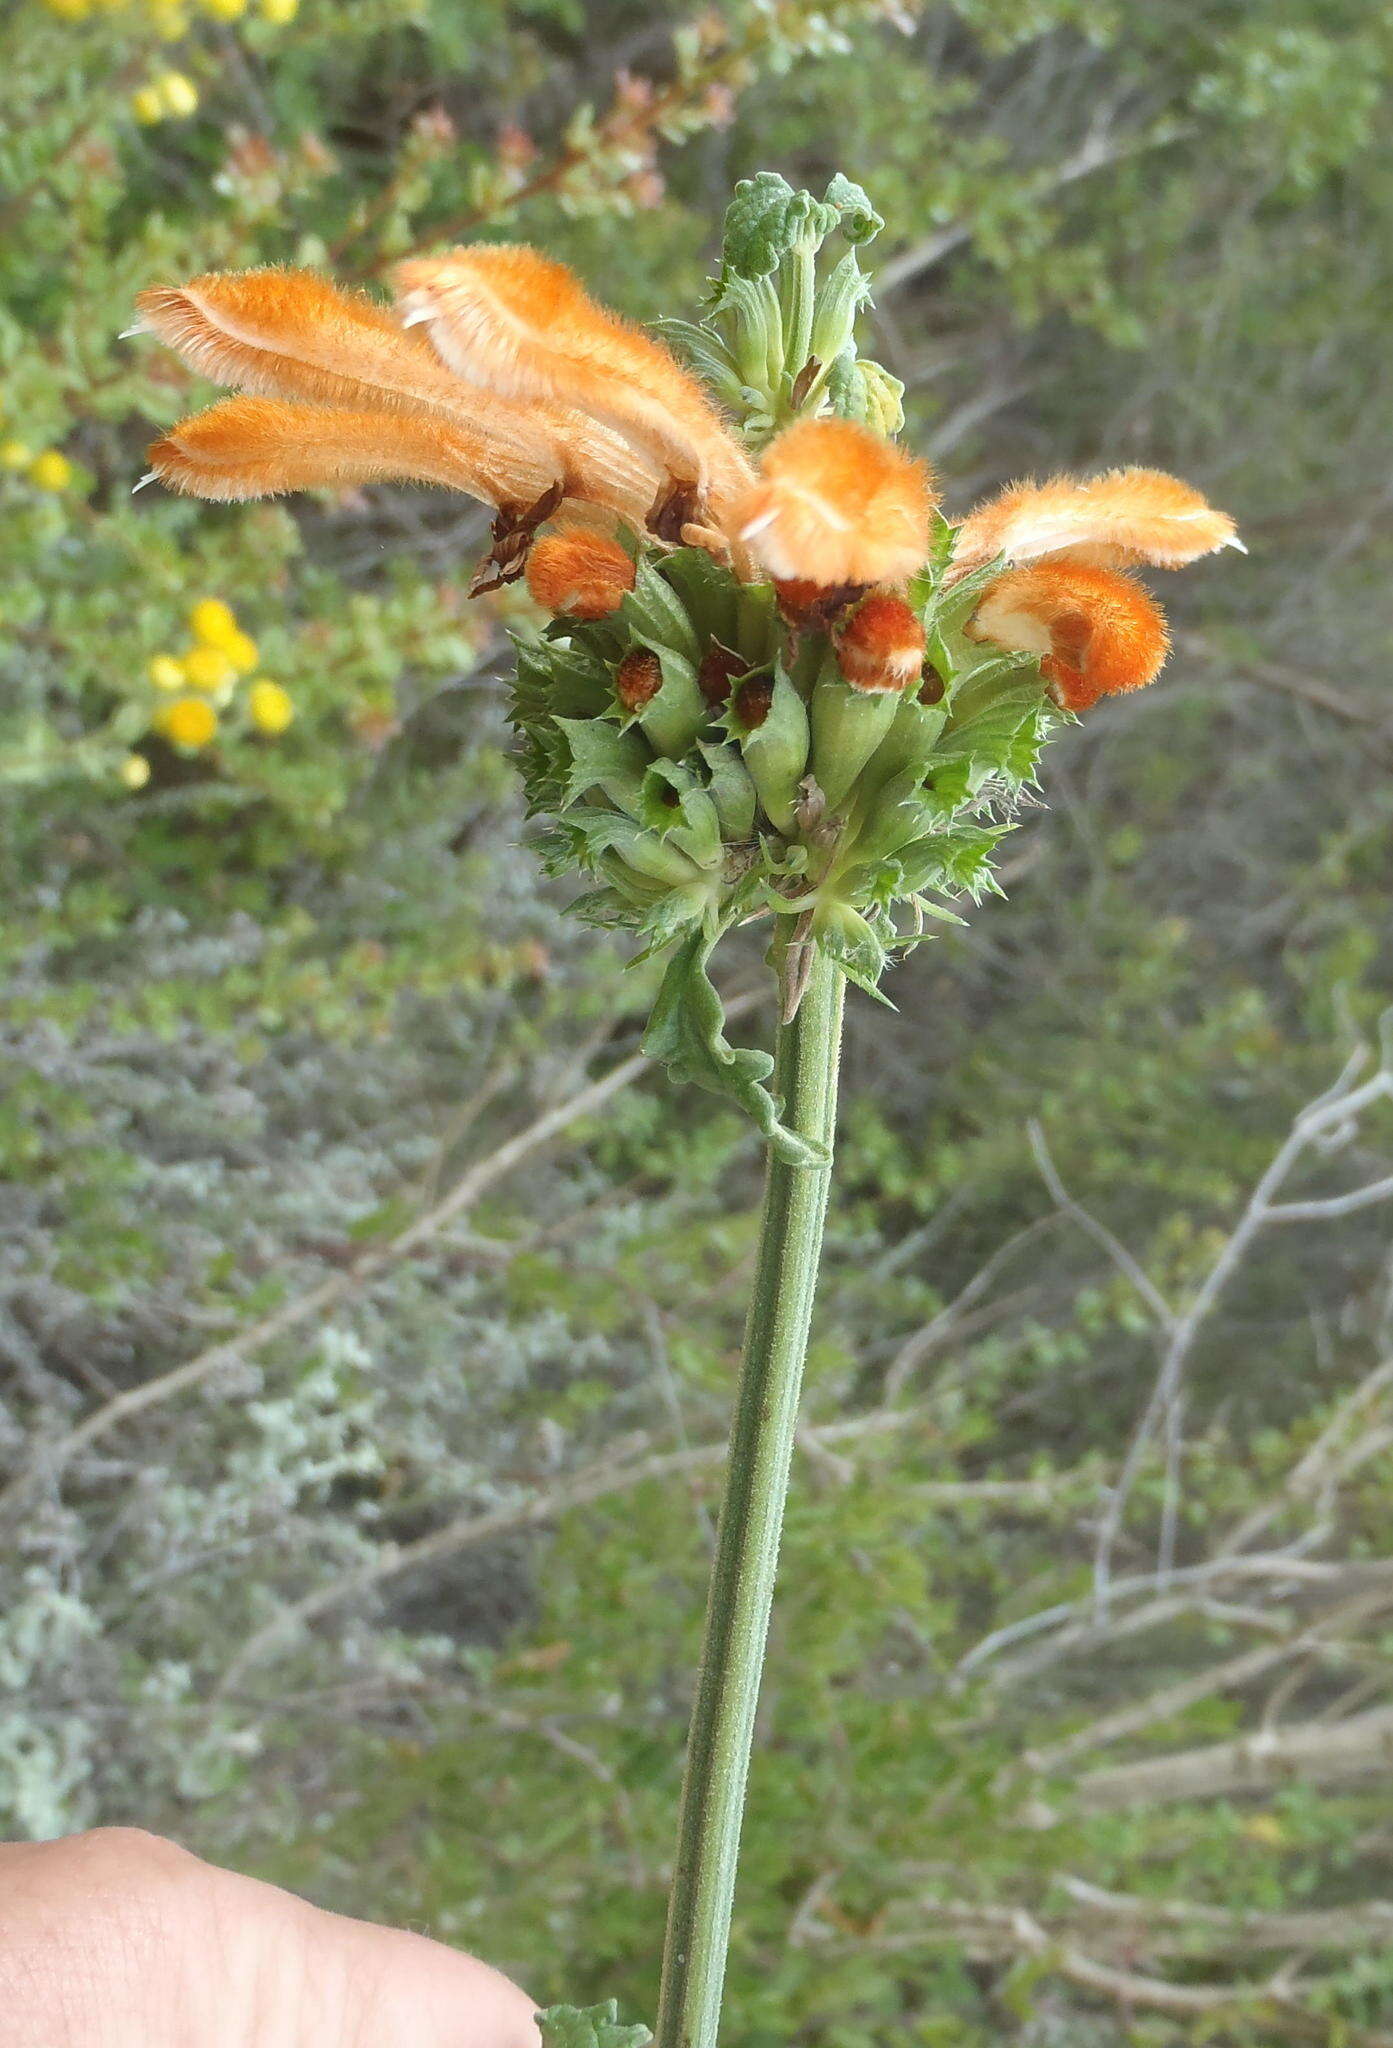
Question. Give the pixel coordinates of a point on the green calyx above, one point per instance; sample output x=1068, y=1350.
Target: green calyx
x=756, y=781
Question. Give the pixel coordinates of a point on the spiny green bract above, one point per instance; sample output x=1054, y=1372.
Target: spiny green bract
x=695, y=815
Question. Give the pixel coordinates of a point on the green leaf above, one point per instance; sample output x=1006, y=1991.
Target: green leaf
x=765, y=220
x=686, y=1032
x=590, y=2026
x=856, y=217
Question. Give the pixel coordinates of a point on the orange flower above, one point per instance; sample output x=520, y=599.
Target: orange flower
x=580, y=573
x=522, y=325
x=259, y=447
x=881, y=646
x=837, y=504
x=1097, y=632
x=1113, y=521
x=291, y=334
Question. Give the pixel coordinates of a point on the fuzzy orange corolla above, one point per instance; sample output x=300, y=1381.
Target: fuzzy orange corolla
x=292, y=335
x=836, y=504
x=1096, y=631
x=261, y=447
x=519, y=323
x=1115, y=521
x=579, y=573
x=881, y=645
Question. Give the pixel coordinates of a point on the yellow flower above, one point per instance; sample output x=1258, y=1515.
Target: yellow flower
x=51, y=471
x=168, y=21
x=15, y=455
x=208, y=669
x=279, y=12
x=1267, y=1830
x=242, y=651
x=178, y=94
x=189, y=722
x=147, y=106
x=270, y=706
x=135, y=771
x=213, y=622
x=224, y=10
x=69, y=10
x=166, y=673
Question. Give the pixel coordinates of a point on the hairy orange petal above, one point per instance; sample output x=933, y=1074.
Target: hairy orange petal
x=580, y=573
x=1097, y=632
x=1113, y=521
x=522, y=325
x=837, y=504
x=293, y=334
x=260, y=447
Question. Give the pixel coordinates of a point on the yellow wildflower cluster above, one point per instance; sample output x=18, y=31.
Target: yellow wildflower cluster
x=169, y=97
x=170, y=18
x=49, y=470
x=200, y=686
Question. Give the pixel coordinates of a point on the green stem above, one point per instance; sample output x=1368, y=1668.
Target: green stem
x=747, y=1542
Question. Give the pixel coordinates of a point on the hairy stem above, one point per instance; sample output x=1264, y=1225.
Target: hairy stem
x=747, y=1543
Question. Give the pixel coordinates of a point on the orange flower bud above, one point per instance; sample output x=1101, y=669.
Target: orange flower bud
x=1113, y=521
x=881, y=645
x=638, y=678
x=837, y=504
x=1097, y=632
x=581, y=573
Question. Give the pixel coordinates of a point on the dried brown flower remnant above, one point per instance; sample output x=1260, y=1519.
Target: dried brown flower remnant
x=638, y=679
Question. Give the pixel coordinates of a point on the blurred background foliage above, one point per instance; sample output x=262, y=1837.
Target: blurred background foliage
x=363, y=1378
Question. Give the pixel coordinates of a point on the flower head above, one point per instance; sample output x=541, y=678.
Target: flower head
x=1097, y=632
x=189, y=722
x=836, y=504
x=270, y=706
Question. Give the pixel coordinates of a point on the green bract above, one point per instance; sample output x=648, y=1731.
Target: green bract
x=755, y=780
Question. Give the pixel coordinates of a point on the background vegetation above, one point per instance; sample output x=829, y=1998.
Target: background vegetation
x=367, y=1313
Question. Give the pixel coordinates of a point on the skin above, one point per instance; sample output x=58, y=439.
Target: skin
x=119, y=1939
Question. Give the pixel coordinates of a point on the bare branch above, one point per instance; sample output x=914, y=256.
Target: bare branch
x=1318, y=1753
